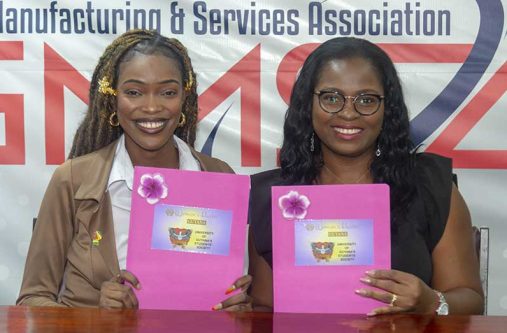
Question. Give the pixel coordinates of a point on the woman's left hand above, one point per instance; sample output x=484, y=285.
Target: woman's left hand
x=239, y=302
x=403, y=292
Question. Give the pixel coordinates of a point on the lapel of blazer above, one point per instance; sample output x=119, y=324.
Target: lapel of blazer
x=197, y=156
x=94, y=207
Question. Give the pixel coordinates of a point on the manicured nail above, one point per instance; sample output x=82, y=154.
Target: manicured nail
x=230, y=289
x=370, y=273
x=138, y=286
x=365, y=280
x=371, y=314
x=360, y=292
x=217, y=307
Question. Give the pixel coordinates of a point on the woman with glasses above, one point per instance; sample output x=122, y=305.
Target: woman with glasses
x=347, y=123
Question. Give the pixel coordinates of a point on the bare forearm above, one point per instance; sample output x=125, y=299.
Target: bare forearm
x=262, y=308
x=261, y=302
x=464, y=301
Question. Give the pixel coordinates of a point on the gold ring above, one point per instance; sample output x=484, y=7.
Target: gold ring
x=394, y=297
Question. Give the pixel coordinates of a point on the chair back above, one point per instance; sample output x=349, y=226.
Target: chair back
x=481, y=240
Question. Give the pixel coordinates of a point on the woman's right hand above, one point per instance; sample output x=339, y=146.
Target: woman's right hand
x=115, y=293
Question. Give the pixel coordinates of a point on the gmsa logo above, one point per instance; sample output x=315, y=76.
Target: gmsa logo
x=245, y=76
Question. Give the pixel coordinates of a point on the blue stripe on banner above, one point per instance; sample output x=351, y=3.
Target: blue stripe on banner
x=208, y=145
x=485, y=46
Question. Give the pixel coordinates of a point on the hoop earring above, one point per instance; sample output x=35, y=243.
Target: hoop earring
x=112, y=121
x=183, y=120
x=312, y=142
x=378, y=152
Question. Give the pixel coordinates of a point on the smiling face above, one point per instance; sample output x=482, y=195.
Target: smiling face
x=150, y=99
x=347, y=133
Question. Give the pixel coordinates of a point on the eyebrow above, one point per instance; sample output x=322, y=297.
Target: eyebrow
x=141, y=82
x=362, y=91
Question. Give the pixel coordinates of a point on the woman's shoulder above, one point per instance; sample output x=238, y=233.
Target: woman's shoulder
x=95, y=158
x=268, y=177
x=433, y=169
x=211, y=164
x=261, y=184
x=264, y=180
x=431, y=160
x=434, y=184
x=86, y=167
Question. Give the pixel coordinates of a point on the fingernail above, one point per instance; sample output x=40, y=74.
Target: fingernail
x=230, y=289
x=370, y=273
x=371, y=314
x=360, y=292
x=365, y=280
x=138, y=286
x=217, y=307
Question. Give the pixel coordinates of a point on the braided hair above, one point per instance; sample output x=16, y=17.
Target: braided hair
x=95, y=131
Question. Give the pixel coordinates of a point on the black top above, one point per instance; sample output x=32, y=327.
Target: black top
x=414, y=239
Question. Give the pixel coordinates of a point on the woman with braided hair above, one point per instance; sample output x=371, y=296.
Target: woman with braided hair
x=142, y=111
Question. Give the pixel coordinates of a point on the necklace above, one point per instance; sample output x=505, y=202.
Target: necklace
x=340, y=180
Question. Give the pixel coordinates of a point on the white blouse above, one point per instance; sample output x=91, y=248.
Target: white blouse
x=120, y=185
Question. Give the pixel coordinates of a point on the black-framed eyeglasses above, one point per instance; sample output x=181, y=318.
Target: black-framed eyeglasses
x=333, y=102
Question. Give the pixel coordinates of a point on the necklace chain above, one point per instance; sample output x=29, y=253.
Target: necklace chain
x=340, y=180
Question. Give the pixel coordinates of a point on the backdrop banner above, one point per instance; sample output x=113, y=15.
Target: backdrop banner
x=451, y=56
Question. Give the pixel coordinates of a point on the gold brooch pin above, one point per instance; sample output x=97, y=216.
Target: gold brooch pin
x=96, y=238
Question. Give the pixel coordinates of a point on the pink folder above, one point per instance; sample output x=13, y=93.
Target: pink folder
x=324, y=239
x=187, y=236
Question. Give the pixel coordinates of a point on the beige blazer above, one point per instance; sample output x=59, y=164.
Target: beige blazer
x=63, y=267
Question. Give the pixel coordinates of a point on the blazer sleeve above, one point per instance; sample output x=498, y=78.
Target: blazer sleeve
x=51, y=238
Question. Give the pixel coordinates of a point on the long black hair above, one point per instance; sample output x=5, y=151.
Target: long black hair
x=394, y=166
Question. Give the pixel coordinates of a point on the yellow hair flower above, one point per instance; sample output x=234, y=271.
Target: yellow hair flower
x=105, y=87
x=190, y=82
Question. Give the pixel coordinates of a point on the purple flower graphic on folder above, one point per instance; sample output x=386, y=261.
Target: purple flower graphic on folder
x=293, y=205
x=152, y=188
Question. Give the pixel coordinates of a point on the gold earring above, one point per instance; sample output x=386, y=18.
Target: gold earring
x=183, y=120
x=112, y=121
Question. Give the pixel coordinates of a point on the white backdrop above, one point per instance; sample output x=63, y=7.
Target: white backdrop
x=451, y=56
